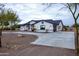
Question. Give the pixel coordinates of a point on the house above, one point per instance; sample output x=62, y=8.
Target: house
x=48, y=25
x=24, y=27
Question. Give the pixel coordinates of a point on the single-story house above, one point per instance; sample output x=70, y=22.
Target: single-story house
x=48, y=25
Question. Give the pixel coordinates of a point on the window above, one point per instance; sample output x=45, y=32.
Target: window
x=42, y=27
x=42, y=22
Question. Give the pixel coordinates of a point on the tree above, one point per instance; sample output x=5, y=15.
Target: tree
x=6, y=15
x=12, y=17
x=75, y=17
x=74, y=25
x=1, y=8
x=73, y=8
x=6, y=23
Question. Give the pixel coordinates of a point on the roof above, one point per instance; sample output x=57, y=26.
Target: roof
x=55, y=22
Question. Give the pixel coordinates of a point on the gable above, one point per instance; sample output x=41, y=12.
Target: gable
x=46, y=24
x=42, y=22
x=60, y=24
x=32, y=22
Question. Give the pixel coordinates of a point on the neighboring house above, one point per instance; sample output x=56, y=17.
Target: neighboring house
x=48, y=25
x=24, y=27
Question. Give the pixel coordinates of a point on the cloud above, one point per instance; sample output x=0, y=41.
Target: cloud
x=33, y=11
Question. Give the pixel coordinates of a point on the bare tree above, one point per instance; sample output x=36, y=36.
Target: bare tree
x=75, y=17
x=73, y=8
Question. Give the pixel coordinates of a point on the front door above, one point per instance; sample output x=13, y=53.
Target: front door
x=42, y=27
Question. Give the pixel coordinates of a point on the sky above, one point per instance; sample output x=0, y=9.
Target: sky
x=35, y=11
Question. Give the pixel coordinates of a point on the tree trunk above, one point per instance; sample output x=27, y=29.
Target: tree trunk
x=76, y=27
x=0, y=37
x=1, y=34
x=11, y=26
x=76, y=37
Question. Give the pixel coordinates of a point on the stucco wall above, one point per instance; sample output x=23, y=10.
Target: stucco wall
x=59, y=27
x=22, y=28
x=48, y=26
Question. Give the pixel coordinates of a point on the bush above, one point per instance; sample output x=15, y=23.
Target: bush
x=14, y=27
x=6, y=28
x=34, y=29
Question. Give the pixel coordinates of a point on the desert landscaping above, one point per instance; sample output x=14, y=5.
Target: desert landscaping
x=20, y=45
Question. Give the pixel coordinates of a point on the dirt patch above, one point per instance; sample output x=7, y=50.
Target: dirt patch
x=11, y=41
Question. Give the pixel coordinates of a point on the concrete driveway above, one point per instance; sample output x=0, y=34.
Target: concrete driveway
x=57, y=39
x=54, y=39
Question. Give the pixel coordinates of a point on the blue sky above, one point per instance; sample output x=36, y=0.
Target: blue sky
x=27, y=12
